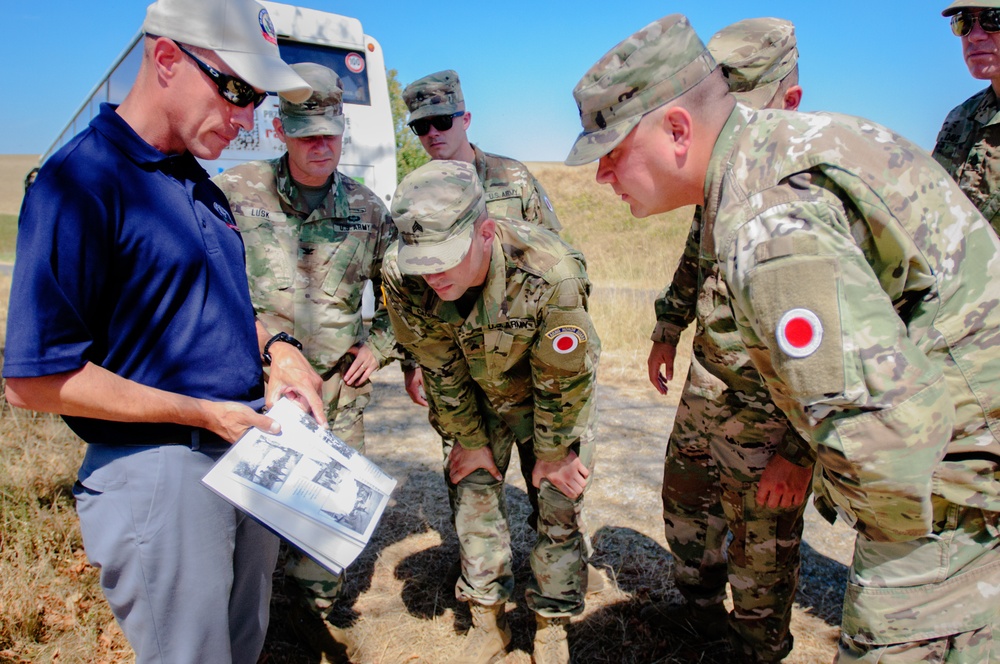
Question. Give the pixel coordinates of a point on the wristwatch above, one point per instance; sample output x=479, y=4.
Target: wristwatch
x=280, y=336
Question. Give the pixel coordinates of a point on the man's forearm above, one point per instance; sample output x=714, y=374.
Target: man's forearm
x=97, y=393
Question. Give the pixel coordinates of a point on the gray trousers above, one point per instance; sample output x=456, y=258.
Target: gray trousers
x=187, y=575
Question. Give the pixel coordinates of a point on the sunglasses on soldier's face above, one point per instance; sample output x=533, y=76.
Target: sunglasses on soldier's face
x=234, y=90
x=440, y=122
x=963, y=22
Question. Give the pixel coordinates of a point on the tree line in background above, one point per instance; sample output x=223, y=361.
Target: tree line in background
x=409, y=153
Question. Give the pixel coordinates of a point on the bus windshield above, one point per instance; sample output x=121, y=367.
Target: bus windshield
x=350, y=66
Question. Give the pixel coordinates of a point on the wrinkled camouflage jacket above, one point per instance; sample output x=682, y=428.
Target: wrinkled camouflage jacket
x=512, y=192
x=526, y=353
x=863, y=283
x=307, y=271
x=968, y=146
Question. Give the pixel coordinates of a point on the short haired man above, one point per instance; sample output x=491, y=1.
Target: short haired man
x=861, y=283
x=130, y=315
x=727, y=428
x=495, y=313
x=439, y=118
x=968, y=145
x=314, y=238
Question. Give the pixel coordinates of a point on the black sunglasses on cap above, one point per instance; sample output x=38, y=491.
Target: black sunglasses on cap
x=440, y=122
x=234, y=90
x=963, y=22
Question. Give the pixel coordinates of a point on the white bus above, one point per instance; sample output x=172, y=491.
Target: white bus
x=304, y=35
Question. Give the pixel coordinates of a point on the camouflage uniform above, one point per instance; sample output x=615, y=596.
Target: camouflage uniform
x=498, y=376
x=862, y=281
x=884, y=354
x=726, y=428
x=307, y=270
x=968, y=146
x=512, y=192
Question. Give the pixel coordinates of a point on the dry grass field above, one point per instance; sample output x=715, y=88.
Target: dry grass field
x=397, y=607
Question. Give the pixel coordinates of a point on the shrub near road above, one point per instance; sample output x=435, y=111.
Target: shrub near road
x=398, y=608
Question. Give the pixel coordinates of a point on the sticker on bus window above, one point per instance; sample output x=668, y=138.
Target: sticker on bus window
x=355, y=62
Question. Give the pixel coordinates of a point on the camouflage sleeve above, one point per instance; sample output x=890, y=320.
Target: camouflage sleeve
x=676, y=305
x=563, y=370
x=381, y=338
x=838, y=360
x=538, y=208
x=450, y=390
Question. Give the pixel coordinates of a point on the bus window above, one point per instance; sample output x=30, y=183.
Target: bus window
x=351, y=66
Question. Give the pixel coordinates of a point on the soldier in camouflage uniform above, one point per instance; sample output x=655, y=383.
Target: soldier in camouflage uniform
x=314, y=238
x=495, y=312
x=862, y=282
x=438, y=117
x=721, y=472
x=435, y=103
x=968, y=145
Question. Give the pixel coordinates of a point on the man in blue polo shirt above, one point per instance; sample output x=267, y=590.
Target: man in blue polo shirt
x=130, y=316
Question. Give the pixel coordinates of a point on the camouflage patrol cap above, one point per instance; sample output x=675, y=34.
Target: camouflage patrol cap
x=756, y=54
x=959, y=5
x=435, y=94
x=322, y=114
x=655, y=65
x=435, y=208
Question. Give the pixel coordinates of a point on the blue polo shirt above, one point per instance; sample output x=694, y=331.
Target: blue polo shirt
x=129, y=258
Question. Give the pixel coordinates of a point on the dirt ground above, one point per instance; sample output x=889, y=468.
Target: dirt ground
x=400, y=608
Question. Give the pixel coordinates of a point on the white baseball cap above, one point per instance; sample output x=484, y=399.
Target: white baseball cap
x=240, y=32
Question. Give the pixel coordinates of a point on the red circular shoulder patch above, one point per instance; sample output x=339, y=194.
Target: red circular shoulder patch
x=799, y=332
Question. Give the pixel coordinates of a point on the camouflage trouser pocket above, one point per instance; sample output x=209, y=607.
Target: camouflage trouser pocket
x=764, y=539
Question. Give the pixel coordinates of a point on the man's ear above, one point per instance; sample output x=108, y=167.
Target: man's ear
x=793, y=97
x=279, y=129
x=488, y=229
x=677, y=122
x=166, y=55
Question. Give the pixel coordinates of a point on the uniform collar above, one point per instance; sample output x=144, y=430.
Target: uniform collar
x=722, y=157
x=988, y=110
x=333, y=207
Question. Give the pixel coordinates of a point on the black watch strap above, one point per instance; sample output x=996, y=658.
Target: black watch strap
x=280, y=336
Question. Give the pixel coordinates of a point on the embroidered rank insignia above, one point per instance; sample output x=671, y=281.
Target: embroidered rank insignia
x=566, y=338
x=799, y=332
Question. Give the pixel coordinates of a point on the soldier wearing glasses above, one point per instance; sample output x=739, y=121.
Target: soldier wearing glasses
x=968, y=145
x=438, y=117
x=134, y=322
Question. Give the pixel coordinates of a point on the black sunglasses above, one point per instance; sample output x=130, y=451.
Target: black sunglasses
x=440, y=122
x=963, y=22
x=234, y=90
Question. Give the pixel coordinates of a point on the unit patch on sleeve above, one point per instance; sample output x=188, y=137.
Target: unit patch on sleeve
x=566, y=338
x=799, y=332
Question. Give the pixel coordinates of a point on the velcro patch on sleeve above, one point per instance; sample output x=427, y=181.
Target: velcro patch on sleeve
x=563, y=340
x=795, y=302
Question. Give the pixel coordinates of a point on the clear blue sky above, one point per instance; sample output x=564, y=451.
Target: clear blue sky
x=893, y=62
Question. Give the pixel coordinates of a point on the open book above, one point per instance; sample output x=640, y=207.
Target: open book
x=306, y=485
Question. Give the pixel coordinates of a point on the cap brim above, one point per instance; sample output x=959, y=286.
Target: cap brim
x=317, y=125
x=267, y=73
x=959, y=5
x=591, y=146
x=431, y=110
x=418, y=259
